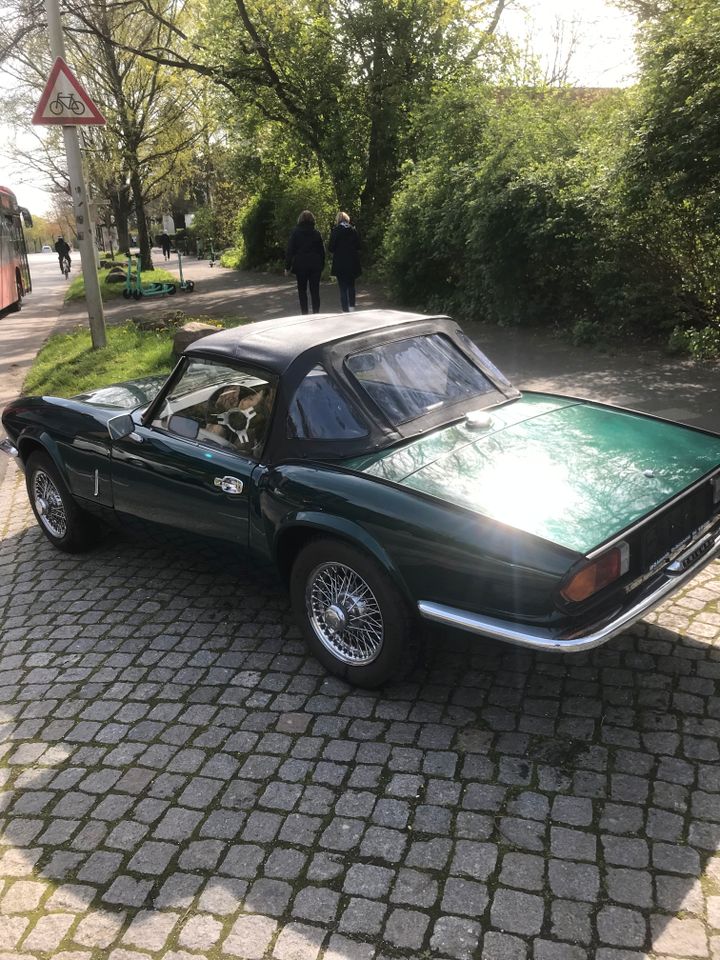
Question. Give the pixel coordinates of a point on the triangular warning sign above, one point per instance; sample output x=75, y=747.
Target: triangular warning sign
x=64, y=101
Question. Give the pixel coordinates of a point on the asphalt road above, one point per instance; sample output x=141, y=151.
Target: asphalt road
x=21, y=334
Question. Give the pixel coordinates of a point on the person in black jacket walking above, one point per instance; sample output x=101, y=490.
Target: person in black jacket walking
x=344, y=245
x=305, y=258
x=166, y=244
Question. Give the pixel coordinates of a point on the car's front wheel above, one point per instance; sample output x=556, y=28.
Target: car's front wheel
x=354, y=619
x=62, y=521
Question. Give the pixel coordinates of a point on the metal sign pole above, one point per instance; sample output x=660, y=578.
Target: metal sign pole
x=83, y=222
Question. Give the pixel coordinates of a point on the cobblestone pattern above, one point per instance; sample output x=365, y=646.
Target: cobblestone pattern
x=178, y=780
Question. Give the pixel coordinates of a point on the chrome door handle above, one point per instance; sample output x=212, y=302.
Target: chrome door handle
x=229, y=484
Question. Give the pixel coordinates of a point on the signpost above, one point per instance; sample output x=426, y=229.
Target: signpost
x=65, y=102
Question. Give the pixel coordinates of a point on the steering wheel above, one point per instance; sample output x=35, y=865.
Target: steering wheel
x=233, y=419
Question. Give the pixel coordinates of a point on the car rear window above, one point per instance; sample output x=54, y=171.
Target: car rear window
x=319, y=411
x=413, y=377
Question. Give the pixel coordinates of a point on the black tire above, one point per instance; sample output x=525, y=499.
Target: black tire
x=171, y=290
x=14, y=307
x=136, y=294
x=388, y=653
x=81, y=531
x=127, y=294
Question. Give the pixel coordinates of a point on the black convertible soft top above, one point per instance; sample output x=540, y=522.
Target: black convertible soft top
x=290, y=347
x=274, y=344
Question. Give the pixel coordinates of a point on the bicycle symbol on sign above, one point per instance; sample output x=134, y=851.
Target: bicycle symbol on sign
x=66, y=101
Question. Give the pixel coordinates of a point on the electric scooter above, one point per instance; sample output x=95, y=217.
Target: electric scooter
x=187, y=286
x=139, y=289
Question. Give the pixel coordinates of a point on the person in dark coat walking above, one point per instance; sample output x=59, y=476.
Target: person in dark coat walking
x=344, y=245
x=165, y=243
x=305, y=258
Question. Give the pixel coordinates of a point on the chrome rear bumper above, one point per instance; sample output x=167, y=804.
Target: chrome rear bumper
x=674, y=576
x=9, y=448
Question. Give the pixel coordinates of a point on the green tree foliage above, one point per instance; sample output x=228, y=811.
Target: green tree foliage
x=593, y=213
x=266, y=222
x=342, y=77
x=673, y=161
x=501, y=221
x=152, y=121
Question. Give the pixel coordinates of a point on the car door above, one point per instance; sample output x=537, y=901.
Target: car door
x=190, y=469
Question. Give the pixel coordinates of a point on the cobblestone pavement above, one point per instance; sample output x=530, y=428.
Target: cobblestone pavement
x=180, y=781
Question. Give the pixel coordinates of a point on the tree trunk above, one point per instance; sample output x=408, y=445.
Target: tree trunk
x=144, y=241
x=382, y=170
x=120, y=206
x=382, y=158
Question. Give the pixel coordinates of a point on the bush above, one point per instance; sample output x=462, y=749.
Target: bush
x=533, y=223
x=311, y=192
x=206, y=226
x=702, y=344
x=513, y=249
x=265, y=223
x=256, y=232
x=233, y=258
x=418, y=261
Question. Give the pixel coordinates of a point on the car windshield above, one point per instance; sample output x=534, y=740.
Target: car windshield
x=413, y=377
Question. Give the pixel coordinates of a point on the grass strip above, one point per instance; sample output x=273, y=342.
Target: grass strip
x=67, y=364
x=109, y=291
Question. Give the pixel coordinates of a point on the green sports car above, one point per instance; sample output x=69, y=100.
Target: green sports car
x=393, y=475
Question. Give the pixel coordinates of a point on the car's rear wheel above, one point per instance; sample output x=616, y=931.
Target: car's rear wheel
x=353, y=618
x=59, y=517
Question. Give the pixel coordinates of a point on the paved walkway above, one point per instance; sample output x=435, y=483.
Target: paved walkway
x=634, y=376
x=221, y=293
x=179, y=781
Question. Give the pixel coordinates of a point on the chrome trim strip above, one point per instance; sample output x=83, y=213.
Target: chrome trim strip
x=708, y=478
x=540, y=638
x=9, y=448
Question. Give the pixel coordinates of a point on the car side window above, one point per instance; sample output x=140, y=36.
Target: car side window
x=319, y=411
x=219, y=405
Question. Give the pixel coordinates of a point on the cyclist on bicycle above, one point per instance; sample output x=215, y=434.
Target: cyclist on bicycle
x=62, y=249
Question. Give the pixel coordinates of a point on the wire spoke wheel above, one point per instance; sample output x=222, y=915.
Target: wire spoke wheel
x=344, y=613
x=49, y=504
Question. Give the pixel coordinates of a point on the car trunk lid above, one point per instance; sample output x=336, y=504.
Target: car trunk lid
x=571, y=472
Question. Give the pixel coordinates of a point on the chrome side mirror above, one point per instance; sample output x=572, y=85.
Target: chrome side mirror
x=122, y=426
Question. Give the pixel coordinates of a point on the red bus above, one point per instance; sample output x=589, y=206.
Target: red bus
x=14, y=268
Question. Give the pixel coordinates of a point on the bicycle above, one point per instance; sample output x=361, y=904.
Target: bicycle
x=66, y=266
x=66, y=101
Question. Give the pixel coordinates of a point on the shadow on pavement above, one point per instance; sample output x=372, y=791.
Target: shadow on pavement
x=179, y=776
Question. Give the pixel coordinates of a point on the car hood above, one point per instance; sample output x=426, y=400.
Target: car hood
x=127, y=395
x=571, y=472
